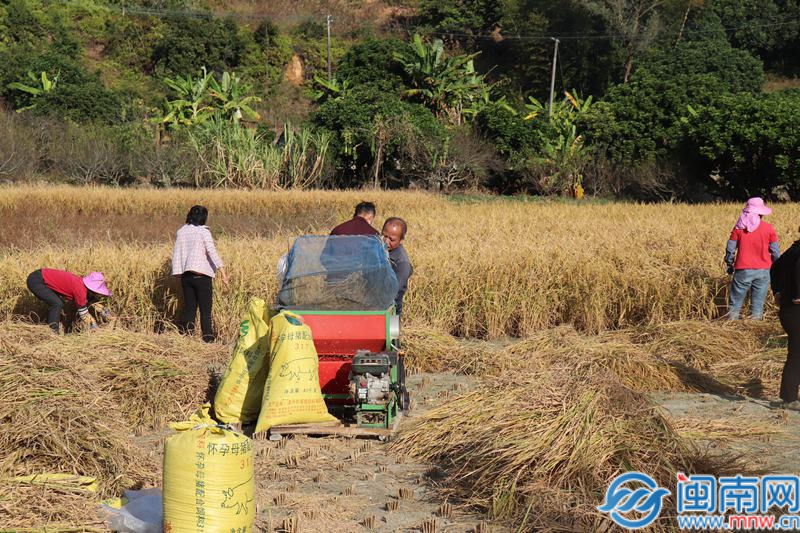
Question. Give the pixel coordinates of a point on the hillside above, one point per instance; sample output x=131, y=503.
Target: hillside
x=652, y=100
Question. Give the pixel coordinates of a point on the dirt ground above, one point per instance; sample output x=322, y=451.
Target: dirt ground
x=767, y=438
x=322, y=484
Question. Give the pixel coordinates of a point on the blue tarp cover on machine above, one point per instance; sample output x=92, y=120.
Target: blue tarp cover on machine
x=338, y=273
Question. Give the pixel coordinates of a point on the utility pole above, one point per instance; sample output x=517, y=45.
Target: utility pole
x=553, y=76
x=328, y=20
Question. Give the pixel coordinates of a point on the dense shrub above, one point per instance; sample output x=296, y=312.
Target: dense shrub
x=372, y=63
x=131, y=38
x=376, y=135
x=641, y=120
x=89, y=101
x=266, y=53
x=752, y=143
x=510, y=133
x=191, y=43
x=78, y=95
x=475, y=17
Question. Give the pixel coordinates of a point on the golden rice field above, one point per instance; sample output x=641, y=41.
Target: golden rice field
x=483, y=268
x=566, y=317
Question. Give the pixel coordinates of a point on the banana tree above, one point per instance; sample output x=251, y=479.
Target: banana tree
x=43, y=85
x=442, y=83
x=191, y=105
x=325, y=89
x=565, y=150
x=483, y=101
x=228, y=97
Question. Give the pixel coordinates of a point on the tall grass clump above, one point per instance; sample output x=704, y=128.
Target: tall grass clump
x=539, y=448
x=233, y=156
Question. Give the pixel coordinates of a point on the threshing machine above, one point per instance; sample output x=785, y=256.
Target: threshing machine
x=344, y=288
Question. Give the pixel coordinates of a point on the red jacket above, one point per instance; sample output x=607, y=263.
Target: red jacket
x=355, y=226
x=67, y=285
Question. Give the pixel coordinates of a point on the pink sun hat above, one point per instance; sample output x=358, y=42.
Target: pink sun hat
x=97, y=283
x=756, y=206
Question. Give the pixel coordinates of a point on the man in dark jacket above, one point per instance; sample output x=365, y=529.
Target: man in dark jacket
x=360, y=224
x=394, y=231
x=785, y=279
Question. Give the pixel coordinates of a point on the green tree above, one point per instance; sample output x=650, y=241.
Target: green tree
x=635, y=23
x=377, y=136
x=371, y=62
x=445, y=84
x=767, y=28
x=641, y=121
x=747, y=144
x=189, y=44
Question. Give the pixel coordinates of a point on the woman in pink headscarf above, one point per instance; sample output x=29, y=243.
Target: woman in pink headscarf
x=752, y=248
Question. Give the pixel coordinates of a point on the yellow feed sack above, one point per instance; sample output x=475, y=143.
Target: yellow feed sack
x=292, y=394
x=238, y=398
x=208, y=478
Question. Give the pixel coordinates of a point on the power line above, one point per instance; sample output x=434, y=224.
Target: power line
x=588, y=36
x=177, y=13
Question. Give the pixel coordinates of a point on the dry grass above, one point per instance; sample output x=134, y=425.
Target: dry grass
x=733, y=428
x=74, y=405
x=560, y=413
x=486, y=269
x=690, y=356
x=548, y=441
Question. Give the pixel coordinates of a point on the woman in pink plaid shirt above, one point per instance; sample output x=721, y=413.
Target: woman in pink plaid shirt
x=196, y=261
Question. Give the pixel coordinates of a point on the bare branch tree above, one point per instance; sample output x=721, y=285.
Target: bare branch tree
x=689, y=5
x=634, y=22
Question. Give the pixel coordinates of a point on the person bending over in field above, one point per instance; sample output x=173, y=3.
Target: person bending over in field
x=196, y=261
x=751, y=249
x=360, y=224
x=54, y=286
x=394, y=232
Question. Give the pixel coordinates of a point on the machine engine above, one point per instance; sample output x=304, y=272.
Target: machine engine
x=370, y=377
x=375, y=387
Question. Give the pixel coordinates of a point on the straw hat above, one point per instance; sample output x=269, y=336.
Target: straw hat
x=95, y=282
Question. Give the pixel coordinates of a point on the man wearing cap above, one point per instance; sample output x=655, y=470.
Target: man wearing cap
x=53, y=286
x=751, y=249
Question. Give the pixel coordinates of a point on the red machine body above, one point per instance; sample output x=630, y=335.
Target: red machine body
x=338, y=335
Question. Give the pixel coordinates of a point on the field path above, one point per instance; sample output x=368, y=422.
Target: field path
x=343, y=484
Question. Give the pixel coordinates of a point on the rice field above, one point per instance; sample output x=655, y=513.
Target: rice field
x=484, y=268
x=566, y=316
